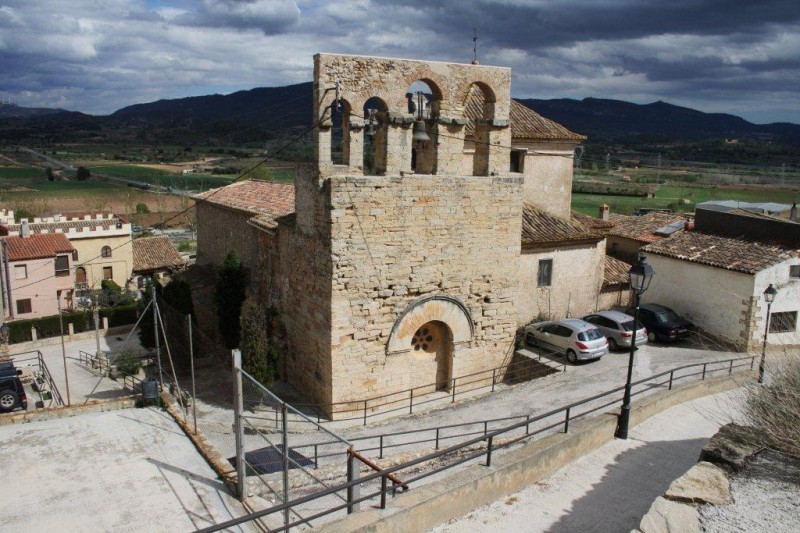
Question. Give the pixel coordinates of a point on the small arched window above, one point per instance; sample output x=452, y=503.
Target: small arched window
x=106, y=251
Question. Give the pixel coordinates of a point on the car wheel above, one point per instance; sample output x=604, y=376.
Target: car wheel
x=8, y=400
x=612, y=345
x=651, y=336
x=572, y=357
x=530, y=340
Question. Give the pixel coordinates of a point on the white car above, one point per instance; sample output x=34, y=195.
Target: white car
x=575, y=338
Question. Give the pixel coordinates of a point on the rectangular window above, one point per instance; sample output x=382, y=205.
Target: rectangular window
x=784, y=322
x=20, y=271
x=108, y=273
x=24, y=306
x=62, y=265
x=545, y=272
x=518, y=160
x=794, y=271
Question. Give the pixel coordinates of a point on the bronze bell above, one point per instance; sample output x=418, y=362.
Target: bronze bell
x=420, y=131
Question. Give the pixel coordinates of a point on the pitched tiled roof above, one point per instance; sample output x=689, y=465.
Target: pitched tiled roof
x=155, y=253
x=541, y=229
x=37, y=246
x=525, y=122
x=591, y=223
x=642, y=228
x=738, y=255
x=254, y=197
x=615, y=272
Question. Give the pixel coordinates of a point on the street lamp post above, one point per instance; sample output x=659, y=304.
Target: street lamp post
x=640, y=276
x=769, y=296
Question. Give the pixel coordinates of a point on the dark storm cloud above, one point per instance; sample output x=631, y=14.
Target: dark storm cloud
x=270, y=16
x=710, y=54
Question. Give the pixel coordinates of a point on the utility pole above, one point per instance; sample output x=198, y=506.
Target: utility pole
x=608, y=162
x=63, y=348
x=158, y=340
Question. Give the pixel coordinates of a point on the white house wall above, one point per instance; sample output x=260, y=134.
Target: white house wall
x=787, y=299
x=715, y=299
x=576, y=279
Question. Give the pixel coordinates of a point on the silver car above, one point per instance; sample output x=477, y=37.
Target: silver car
x=576, y=339
x=618, y=327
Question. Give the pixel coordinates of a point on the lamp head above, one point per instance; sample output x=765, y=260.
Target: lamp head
x=640, y=275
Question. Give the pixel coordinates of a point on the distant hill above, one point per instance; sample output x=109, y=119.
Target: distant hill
x=14, y=111
x=258, y=113
x=273, y=108
x=614, y=118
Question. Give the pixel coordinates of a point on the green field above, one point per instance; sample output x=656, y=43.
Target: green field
x=680, y=198
x=21, y=173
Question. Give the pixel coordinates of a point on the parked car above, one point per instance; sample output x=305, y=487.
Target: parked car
x=662, y=323
x=136, y=229
x=12, y=394
x=618, y=328
x=576, y=339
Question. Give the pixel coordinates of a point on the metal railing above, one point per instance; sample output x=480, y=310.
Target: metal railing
x=42, y=375
x=487, y=443
x=108, y=359
x=408, y=399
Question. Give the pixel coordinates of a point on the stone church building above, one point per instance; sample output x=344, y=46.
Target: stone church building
x=420, y=239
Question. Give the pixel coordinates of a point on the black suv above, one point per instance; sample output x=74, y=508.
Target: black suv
x=662, y=323
x=12, y=394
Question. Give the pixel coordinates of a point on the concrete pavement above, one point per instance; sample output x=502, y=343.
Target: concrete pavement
x=128, y=470
x=610, y=489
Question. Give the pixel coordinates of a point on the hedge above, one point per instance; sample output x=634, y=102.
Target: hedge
x=50, y=326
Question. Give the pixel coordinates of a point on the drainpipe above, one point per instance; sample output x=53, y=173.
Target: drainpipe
x=7, y=293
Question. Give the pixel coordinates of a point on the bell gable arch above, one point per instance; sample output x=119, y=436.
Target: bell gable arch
x=440, y=308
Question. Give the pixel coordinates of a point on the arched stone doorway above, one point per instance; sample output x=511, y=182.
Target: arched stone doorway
x=432, y=346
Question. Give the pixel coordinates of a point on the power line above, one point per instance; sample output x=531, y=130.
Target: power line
x=197, y=200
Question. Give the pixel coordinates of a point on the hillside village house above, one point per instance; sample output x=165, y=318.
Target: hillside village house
x=154, y=257
x=630, y=233
x=102, y=244
x=420, y=265
x=36, y=276
x=719, y=283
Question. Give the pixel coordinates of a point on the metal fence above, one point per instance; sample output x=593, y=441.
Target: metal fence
x=39, y=379
x=525, y=369
x=269, y=433
x=377, y=486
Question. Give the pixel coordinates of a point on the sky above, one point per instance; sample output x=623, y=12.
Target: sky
x=731, y=56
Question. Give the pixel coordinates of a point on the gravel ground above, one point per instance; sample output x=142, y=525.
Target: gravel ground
x=766, y=498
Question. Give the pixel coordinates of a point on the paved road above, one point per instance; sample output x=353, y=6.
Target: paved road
x=610, y=489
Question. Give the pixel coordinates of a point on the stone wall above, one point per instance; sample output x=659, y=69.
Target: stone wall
x=220, y=230
x=548, y=176
x=398, y=239
x=576, y=279
x=356, y=79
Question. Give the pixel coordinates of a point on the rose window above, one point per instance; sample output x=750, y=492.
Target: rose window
x=424, y=339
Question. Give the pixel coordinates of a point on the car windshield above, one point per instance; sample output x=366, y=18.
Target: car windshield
x=667, y=315
x=590, y=335
x=628, y=326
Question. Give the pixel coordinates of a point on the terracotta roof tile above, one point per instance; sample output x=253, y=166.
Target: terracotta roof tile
x=615, y=272
x=542, y=229
x=591, y=223
x=37, y=246
x=155, y=253
x=254, y=197
x=525, y=122
x=642, y=228
x=738, y=255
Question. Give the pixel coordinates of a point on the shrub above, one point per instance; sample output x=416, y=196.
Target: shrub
x=229, y=295
x=259, y=355
x=142, y=209
x=83, y=174
x=128, y=363
x=773, y=410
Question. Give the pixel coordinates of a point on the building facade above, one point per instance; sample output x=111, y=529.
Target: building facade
x=37, y=275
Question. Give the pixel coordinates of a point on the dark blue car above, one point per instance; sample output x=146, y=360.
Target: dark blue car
x=662, y=323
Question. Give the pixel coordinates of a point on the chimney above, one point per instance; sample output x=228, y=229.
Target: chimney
x=24, y=228
x=604, y=212
x=793, y=212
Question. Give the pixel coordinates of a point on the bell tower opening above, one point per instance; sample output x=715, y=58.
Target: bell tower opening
x=423, y=99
